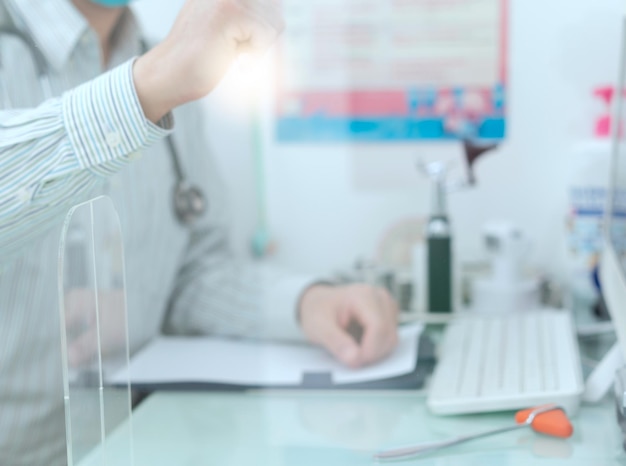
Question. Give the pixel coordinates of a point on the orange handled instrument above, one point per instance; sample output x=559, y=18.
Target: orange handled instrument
x=549, y=420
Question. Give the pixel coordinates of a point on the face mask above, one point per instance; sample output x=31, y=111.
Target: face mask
x=111, y=3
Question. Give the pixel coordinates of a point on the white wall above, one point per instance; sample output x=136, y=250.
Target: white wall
x=323, y=216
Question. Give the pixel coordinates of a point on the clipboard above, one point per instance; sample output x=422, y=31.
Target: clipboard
x=153, y=369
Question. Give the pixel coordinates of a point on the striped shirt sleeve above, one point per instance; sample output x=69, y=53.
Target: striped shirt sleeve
x=216, y=294
x=54, y=157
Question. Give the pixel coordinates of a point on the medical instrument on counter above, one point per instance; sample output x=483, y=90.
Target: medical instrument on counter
x=439, y=257
x=189, y=201
x=439, y=242
x=549, y=420
x=494, y=362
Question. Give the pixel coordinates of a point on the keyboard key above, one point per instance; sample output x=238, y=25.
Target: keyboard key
x=470, y=382
x=492, y=372
x=531, y=373
x=547, y=353
x=511, y=377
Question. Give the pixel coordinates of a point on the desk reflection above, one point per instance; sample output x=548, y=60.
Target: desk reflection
x=345, y=429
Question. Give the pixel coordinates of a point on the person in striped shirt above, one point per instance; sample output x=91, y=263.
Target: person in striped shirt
x=104, y=133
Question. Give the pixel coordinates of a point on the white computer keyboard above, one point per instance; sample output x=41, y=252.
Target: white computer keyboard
x=507, y=362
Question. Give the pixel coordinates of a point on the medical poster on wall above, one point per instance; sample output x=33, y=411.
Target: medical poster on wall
x=392, y=70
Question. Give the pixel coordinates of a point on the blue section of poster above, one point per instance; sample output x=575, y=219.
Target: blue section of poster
x=323, y=129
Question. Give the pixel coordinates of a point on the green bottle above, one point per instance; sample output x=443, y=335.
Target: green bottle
x=439, y=266
x=439, y=252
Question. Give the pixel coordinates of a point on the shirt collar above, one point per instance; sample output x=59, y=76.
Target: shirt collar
x=56, y=26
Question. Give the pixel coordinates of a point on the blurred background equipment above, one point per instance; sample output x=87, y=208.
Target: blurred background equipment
x=508, y=288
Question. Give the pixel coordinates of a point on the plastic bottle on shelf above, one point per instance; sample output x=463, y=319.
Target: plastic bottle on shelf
x=586, y=198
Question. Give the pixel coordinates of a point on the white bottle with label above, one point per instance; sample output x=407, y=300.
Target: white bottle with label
x=587, y=191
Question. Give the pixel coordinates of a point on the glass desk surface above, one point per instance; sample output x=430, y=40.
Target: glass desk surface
x=314, y=428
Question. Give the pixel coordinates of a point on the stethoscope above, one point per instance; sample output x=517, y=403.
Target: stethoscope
x=188, y=200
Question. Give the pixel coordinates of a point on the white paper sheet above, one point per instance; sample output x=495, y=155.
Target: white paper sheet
x=170, y=360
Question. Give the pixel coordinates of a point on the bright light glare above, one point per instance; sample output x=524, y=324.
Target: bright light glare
x=246, y=87
x=248, y=81
x=249, y=66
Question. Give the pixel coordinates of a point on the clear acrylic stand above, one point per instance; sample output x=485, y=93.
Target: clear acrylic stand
x=94, y=336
